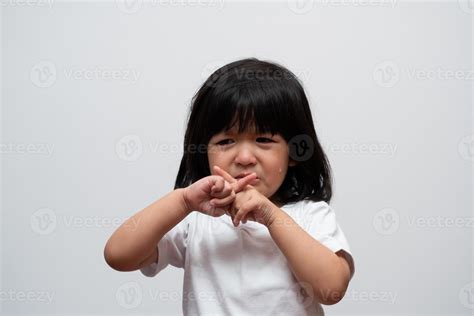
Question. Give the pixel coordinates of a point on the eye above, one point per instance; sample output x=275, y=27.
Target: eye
x=224, y=142
x=265, y=140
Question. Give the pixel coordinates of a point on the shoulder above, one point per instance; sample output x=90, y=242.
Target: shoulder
x=311, y=213
x=309, y=206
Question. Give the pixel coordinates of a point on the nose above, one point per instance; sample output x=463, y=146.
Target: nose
x=245, y=156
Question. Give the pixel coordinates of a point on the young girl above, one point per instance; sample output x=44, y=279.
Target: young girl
x=248, y=219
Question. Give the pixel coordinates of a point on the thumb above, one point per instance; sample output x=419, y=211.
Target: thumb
x=215, y=183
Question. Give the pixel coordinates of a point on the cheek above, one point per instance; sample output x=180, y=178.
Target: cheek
x=211, y=153
x=277, y=169
x=214, y=157
x=212, y=162
x=282, y=171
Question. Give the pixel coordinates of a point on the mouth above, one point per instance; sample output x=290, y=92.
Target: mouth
x=255, y=181
x=243, y=175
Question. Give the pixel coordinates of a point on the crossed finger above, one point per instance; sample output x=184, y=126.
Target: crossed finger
x=237, y=185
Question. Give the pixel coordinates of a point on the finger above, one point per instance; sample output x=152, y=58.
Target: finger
x=228, y=190
x=238, y=185
x=242, y=183
x=238, y=216
x=218, y=186
x=224, y=174
x=223, y=191
x=223, y=202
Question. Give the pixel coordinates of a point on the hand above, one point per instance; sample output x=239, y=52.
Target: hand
x=198, y=196
x=250, y=204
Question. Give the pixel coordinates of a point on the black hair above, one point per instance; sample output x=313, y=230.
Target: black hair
x=251, y=91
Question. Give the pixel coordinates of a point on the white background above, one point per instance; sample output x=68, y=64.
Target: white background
x=94, y=102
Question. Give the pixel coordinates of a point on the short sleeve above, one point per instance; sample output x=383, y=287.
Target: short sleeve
x=320, y=222
x=171, y=248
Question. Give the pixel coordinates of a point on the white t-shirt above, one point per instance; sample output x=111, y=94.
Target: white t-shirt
x=240, y=270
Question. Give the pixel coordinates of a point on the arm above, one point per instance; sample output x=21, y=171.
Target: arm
x=311, y=262
x=134, y=244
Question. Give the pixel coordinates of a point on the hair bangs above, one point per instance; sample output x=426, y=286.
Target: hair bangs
x=251, y=107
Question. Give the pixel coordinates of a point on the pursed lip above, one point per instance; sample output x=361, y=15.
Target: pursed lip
x=243, y=174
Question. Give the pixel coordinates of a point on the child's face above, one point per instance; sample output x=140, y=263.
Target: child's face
x=264, y=154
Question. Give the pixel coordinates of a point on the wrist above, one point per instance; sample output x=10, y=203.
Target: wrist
x=184, y=200
x=274, y=214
